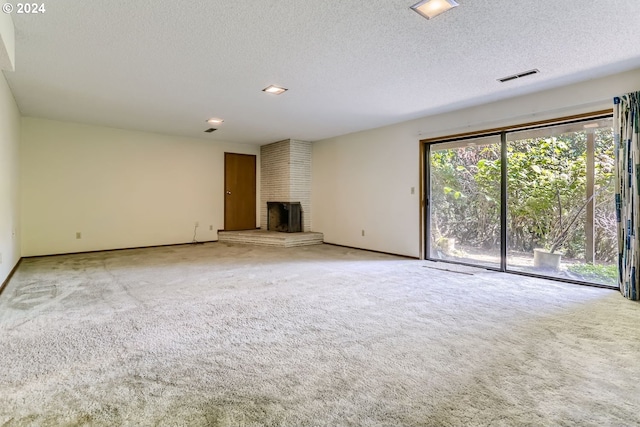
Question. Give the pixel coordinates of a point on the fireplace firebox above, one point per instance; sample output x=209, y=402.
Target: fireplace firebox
x=284, y=216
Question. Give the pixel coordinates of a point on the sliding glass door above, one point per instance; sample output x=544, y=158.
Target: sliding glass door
x=559, y=217
x=465, y=201
x=561, y=203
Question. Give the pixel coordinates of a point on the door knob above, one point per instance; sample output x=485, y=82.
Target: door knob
x=228, y=192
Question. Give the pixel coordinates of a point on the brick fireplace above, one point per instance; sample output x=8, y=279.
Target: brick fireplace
x=285, y=175
x=284, y=216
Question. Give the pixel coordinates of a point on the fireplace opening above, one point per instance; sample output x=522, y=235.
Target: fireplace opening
x=284, y=216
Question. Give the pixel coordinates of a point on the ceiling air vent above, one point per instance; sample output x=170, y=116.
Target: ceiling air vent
x=519, y=75
x=210, y=130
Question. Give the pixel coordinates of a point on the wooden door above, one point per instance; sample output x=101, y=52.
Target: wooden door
x=239, y=191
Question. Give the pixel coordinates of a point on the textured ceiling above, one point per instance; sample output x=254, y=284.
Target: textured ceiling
x=166, y=66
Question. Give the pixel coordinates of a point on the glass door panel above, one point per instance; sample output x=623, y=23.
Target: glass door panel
x=464, y=207
x=560, y=209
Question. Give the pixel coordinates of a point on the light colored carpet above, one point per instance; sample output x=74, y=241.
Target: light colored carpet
x=230, y=335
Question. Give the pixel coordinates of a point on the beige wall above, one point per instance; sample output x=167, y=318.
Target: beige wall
x=363, y=181
x=118, y=188
x=9, y=181
x=127, y=189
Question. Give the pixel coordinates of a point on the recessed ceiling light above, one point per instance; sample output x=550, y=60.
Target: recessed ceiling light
x=215, y=121
x=276, y=90
x=432, y=8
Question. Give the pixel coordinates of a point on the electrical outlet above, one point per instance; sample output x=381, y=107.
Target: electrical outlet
x=363, y=232
x=211, y=228
x=78, y=235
